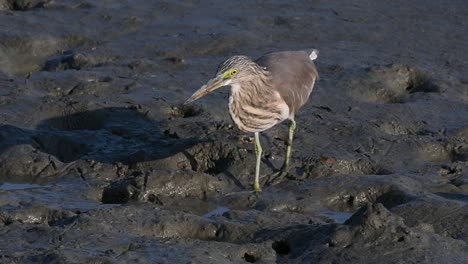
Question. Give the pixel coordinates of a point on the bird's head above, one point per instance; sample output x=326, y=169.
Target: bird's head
x=231, y=71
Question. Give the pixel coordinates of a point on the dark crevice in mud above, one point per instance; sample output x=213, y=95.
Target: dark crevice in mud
x=421, y=82
x=458, y=153
x=122, y=191
x=393, y=198
x=250, y=258
x=281, y=247
x=5, y=219
x=176, y=60
x=219, y=165
x=49, y=257
x=63, y=221
x=22, y=5
x=154, y=199
x=186, y=111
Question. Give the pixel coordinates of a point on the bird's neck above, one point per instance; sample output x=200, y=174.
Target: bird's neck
x=256, y=84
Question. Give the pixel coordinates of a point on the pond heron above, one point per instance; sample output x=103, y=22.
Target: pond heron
x=265, y=92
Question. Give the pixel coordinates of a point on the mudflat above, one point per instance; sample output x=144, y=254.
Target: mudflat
x=100, y=161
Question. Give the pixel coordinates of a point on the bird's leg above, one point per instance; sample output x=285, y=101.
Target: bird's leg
x=285, y=168
x=258, y=153
x=292, y=128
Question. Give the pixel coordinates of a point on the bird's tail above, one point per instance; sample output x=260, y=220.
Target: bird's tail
x=314, y=54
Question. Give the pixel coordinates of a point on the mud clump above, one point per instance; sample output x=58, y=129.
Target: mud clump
x=328, y=166
x=370, y=223
x=392, y=84
x=160, y=186
x=186, y=111
x=70, y=60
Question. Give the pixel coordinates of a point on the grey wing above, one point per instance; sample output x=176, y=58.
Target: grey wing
x=293, y=74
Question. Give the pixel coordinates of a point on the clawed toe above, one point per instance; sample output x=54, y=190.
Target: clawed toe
x=277, y=177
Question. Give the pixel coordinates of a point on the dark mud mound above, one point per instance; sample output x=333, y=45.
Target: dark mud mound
x=68, y=61
x=392, y=84
x=21, y=5
x=351, y=241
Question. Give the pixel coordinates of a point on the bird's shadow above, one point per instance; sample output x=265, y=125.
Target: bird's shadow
x=107, y=135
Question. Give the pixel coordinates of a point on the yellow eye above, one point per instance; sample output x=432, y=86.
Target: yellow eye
x=229, y=73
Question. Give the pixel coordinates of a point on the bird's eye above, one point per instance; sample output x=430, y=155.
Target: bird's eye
x=233, y=72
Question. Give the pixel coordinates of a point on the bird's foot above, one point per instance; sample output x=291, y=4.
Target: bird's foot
x=257, y=188
x=255, y=192
x=277, y=177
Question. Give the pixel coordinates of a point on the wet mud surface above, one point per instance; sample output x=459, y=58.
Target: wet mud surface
x=101, y=163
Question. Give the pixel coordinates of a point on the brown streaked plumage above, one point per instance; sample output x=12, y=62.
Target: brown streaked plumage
x=265, y=92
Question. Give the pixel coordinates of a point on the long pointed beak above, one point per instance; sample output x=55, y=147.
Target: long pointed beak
x=210, y=86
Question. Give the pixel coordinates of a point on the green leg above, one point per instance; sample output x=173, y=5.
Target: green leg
x=258, y=152
x=292, y=128
x=276, y=177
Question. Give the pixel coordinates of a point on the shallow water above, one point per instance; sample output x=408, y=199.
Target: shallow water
x=338, y=217
x=18, y=186
x=219, y=211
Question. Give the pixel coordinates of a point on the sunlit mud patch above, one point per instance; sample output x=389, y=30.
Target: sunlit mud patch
x=444, y=216
x=215, y=157
x=458, y=145
x=23, y=163
x=396, y=129
x=317, y=167
x=389, y=198
x=391, y=84
x=436, y=152
x=390, y=192
x=36, y=214
x=162, y=187
x=22, y=55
